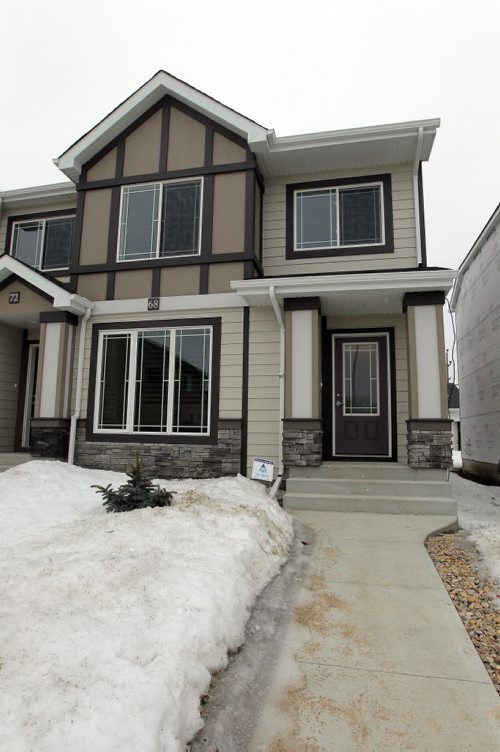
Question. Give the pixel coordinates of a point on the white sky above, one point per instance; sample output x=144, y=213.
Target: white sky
x=293, y=66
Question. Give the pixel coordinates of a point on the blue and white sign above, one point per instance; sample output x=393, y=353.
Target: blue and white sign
x=262, y=469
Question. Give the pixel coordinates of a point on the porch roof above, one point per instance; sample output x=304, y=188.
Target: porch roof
x=63, y=299
x=348, y=294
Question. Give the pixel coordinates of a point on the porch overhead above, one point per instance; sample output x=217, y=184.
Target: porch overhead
x=348, y=294
x=62, y=298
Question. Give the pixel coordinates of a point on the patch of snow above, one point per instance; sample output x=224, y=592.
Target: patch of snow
x=479, y=514
x=111, y=625
x=457, y=459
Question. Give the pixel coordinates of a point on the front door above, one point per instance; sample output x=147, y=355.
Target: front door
x=361, y=405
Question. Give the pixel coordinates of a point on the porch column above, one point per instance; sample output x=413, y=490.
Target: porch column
x=302, y=430
x=428, y=427
x=50, y=425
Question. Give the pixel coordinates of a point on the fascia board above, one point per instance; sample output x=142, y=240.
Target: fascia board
x=54, y=190
x=71, y=161
x=421, y=280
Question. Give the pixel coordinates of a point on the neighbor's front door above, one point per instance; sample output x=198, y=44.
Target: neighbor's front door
x=360, y=396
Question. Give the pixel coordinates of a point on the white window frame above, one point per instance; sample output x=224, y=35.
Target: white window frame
x=337, y=189
x=160, y=183
x=131, y=371
x=43, y=220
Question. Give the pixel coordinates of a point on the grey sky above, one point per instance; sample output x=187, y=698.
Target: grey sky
x=293, y=66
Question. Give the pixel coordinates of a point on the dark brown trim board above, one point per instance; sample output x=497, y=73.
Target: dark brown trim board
x=387, y=247
x=155, y=282
x=302, y=304
x=432, y=297
x=122, y=266
x=327, y=399
x=421, y=219
x=154, y=438
x=244, y=391
x=55, y=317
x=16, y=278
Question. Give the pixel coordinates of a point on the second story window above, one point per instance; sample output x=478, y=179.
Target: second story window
x=339, y=217
x=159, y=220
x=43, y=243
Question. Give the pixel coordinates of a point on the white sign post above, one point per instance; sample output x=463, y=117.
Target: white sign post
x=262, y=469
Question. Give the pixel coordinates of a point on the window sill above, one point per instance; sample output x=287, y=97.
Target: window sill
x=149, y=438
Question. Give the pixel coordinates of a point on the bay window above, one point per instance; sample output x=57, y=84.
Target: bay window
x=160, y=220
x=154, y=381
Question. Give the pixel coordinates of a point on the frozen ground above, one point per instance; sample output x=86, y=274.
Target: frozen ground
x=111, y=625
x=479, y=514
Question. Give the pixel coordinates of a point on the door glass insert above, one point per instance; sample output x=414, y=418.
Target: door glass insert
x=361, y=378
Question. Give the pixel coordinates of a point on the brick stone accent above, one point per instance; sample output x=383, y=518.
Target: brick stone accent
x=429, y=443
x=302, y=442
x=49, y=437
x=165, y=460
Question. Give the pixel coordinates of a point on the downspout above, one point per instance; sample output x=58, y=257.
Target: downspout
x=416, y=166
x=279, y=317
x=79, y=382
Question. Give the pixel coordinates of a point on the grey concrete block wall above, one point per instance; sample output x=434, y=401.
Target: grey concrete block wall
x=164, y=460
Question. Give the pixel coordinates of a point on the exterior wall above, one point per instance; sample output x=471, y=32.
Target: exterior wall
x=263, y=386
x=10, y=363
x=398, y=322
x=478, y=328
x=274, y=227
x=231, y=368
x=37, y=208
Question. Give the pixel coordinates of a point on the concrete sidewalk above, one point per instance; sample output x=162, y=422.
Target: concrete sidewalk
x=375, y=656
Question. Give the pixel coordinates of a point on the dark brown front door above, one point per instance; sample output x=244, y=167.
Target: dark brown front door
x=360, y=396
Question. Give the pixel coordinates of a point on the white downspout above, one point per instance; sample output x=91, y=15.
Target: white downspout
x=416, y=165
x=279, y=316
x=79, y=382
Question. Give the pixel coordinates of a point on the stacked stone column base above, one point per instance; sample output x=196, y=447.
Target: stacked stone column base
x=429, y=443
x=302, y=442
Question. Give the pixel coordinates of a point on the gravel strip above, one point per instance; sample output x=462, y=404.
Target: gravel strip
x=457, y=560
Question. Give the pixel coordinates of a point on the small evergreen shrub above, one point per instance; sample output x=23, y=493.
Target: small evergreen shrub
x=137, y=493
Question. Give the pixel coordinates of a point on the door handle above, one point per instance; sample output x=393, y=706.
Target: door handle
x=339, y=404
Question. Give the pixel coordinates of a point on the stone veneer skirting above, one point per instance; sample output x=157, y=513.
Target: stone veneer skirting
x=429, y=443
x=302, y=442
x=164, y=460
x=49, y=437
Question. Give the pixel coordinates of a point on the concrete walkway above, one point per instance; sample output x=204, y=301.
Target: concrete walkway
x=375, y=656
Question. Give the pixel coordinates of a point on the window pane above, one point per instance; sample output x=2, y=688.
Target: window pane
x=153, y=349
x=316, y=219
x=360, y=215
x=181, y=219
x=113, y=388
x=58, y=240
x=192, y=381
x=139, y=222
x=360, y=379
x=27, y=242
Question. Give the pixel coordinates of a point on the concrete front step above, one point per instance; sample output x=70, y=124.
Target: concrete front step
x=369, y=487
x=377, y=504
x=371, y=470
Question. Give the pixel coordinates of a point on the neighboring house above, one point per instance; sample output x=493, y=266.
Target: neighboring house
x=476, y=302
x=206, y=292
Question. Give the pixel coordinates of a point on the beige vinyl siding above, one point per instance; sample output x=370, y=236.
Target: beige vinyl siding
x=32, y=209
x=399, y=323
x=263, y=386
x=274, y=226
x=231, y=367
x=10, y=363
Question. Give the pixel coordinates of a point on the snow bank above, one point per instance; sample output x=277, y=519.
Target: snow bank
x=111, y=625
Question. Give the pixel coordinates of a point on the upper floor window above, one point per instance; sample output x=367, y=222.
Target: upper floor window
x=340, y=217
x=159, y=220
x=43, y=243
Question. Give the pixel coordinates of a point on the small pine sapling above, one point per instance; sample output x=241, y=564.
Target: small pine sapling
x=137, y=493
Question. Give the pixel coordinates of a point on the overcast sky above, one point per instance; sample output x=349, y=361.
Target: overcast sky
x=293, y=66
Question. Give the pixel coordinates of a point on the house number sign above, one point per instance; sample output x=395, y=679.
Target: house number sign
x=153, y=304
x=14, y=297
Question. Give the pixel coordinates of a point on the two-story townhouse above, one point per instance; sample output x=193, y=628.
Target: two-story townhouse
x=204, y=291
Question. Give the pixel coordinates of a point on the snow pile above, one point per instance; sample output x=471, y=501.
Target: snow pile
x=111, y=625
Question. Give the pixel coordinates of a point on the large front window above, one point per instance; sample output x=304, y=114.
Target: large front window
x=338, y=217
x=43, y=243
x=154, y=381
x=160, y=220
